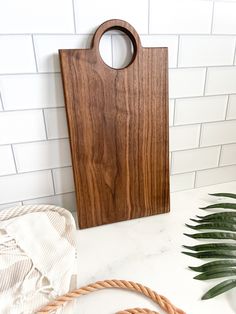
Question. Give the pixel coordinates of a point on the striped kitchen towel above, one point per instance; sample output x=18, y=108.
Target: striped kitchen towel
x=37, y=257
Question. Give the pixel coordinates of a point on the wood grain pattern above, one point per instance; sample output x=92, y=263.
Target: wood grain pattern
x=118, y=125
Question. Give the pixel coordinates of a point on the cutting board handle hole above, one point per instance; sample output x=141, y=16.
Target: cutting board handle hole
x=116, y=49
x=116, y=44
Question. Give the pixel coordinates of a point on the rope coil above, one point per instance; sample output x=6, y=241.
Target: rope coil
x=163, y=302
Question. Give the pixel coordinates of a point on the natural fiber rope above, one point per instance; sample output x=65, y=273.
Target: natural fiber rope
x=163, y=302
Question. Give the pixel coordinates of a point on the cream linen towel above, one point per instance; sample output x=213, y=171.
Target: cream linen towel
x=37, y=257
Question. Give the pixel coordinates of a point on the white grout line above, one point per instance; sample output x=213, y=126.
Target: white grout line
x=33, y=109
x=174, y=126
x=35, y=57
x=234, y=58
x=45, y=124
x=219, y=160
x=206, y=169
x=1, y=101
x=14, y=158
x=227, y=108
x=29, y=73
x=74, y=18
x=170, y=68
x=41, y=197
x=200, y=136
x=35, y=198
x=174, y=113
x=53, y=183
x=36, y=141
x=195, y=179
x=140, y=34
x=205, y=82
x=36, y=170
x=212, y=17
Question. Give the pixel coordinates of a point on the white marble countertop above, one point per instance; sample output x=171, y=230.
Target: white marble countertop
x=148, y=251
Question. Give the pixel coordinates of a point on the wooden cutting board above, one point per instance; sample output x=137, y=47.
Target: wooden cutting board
x=118, y=125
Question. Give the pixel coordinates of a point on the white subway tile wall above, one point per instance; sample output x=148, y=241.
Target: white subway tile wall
x=35, y=162
x=231, y=114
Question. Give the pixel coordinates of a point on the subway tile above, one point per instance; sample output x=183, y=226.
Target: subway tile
x=47, y=49
x=42, y=155
x=171, y=111
x=200, y=109
x=224, y=21
x=180, y=17
x=21, y=126
x=31, y=91
x=47, y=46
x=186, y=82
x=16, y=54
x=231, y=113
x=184, y=137
x=183, y=181
x=7, y=165
x=170, y=41
x=25, y=186
x=63, y=180
x=206, y=50
x=9, y=205
x=228, y=155
x=215, y=176
x=218, y=133
x=36, y=16
x=221, y=80
x=67, y=201
x=90, y=14
x=196, y=159
x=56, y=123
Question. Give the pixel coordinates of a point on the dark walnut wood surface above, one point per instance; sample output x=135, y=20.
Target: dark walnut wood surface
x=118, y=125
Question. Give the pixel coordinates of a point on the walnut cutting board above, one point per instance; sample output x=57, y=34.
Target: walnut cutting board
x=118, y=125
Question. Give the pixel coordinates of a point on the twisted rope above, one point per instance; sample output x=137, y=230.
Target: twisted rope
x=163, y=302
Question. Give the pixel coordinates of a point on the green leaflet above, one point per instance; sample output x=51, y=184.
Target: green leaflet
x=219, y=273
x=205, y=221
x=219, y=289
x=221, y=205
x=213, y=235
x=211, y=246
x=212, y=254
x=230, y=195
x=222, y=215
x=214, y=265
x=215, y=226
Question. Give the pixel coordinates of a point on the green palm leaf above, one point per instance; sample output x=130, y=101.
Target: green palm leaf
x=222, y=215
x=212, y=235
x=222, y=272
x=211, y=246
x=214, y=266
x=212, y=254
x=230, y=195
x=221, y=205
x=215, y=226
x=220, y=288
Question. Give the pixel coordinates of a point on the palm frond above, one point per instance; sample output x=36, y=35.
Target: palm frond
x=220, y=225
x=219, y=289
x=229, y=195
x=220, y=205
